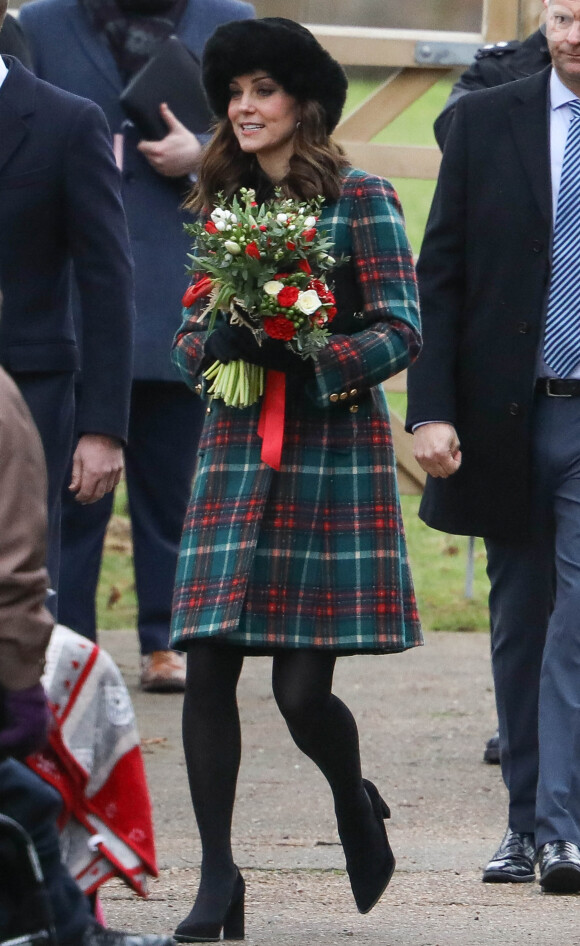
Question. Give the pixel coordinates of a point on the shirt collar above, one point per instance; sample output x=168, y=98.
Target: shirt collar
x=559, y=93
x=3, y=70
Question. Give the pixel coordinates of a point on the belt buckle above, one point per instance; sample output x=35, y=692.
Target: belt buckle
x=551, y=393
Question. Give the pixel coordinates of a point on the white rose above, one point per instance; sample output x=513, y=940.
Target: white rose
x=308, y=302
x=282, y=218
x=273, y=287
x=233, y=248
x=309, y=222
x=220, y=225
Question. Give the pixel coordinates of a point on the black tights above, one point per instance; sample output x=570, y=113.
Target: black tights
x=320, y=724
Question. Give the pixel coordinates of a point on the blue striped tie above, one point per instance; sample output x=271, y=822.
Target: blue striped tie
x=562, y=338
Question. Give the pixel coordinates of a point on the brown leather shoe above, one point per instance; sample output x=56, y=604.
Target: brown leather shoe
x=163, y=671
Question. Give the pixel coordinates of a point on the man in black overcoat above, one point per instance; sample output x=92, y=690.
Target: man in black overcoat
x=499, y=433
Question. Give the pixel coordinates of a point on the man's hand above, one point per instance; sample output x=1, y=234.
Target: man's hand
x=178, y=153
x=97, y=467
x=436, y=449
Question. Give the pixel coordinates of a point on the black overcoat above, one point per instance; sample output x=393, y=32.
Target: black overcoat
x=483, y=276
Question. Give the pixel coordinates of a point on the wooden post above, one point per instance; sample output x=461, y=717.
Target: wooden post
x=500, y=20
x=392, y=97
x=530, y=16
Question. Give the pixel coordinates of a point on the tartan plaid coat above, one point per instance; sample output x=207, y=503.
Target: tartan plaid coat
x=314, y=555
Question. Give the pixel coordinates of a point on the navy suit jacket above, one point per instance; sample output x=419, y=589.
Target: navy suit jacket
x=60, y=203
x=70, y=53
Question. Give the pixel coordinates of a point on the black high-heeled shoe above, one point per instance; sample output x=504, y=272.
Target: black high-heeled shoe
x=209, y=931
x=368, y=882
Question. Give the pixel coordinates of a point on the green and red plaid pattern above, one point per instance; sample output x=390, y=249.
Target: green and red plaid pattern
x=313, y=555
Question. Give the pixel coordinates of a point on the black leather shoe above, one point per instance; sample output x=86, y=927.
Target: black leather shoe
x=491, y=751
x=97, y=935
x=513, y=862
x=560, y=867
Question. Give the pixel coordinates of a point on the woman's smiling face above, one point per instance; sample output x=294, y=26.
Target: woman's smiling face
x=264, y=119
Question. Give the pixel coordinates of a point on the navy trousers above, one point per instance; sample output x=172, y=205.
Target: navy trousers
x=51, y=401
x=164, y=427
x=535, y=636
x=35, y=806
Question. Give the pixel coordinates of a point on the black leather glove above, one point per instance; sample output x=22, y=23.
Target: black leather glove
x=220, y=345
x=232, y=342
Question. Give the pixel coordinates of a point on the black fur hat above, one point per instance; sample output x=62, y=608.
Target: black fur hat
x=287, y=50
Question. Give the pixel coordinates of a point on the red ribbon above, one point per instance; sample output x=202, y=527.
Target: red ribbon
x=271, y=422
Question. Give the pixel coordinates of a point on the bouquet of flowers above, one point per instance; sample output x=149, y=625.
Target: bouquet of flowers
x=265, y=266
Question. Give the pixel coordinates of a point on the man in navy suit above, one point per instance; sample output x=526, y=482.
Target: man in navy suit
x=105, y=42
x=496, y=418
x=60, y=204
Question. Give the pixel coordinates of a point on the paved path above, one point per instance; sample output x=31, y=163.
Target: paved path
x=423, y=717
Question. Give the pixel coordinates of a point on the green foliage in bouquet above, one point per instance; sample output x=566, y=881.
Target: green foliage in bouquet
x=265, y=268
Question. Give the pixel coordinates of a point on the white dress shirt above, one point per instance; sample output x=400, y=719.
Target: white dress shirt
x=3, y=70
x=560, y=116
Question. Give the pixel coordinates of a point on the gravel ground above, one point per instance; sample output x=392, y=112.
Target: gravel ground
x=423, y=718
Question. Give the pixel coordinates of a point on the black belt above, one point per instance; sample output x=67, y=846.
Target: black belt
x=559, y=387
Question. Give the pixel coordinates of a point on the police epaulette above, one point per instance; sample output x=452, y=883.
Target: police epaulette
x=498, y=49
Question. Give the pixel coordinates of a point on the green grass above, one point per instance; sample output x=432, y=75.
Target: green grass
x=438, y=561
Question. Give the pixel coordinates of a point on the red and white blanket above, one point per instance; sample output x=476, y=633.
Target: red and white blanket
x=94, y=761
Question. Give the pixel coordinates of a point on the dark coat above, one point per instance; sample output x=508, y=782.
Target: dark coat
x=313, y=555
x=483, y=276
x=152, y=202
x=12, y=41
x=25, y=624
x=494, y=65
x=60, y=203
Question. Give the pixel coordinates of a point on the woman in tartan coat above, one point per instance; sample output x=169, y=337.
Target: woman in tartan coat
x=310, y=561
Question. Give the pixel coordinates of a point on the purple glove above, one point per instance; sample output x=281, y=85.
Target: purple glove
x=27, y=720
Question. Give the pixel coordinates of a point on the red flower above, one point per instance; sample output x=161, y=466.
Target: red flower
x=281, y=275
x=252, y=250
x=290, y=245
x=304, y=265
x=210, y=227
x=263, y=227
x=278, y=326
x=288, y=296
x=308, y=235
x=201, y=288
x=319, y=288
x=331, y=312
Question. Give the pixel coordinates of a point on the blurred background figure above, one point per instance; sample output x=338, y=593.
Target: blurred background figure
x=107, y=42
x=12, y=41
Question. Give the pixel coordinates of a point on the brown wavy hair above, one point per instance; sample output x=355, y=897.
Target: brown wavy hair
x=315, y=166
